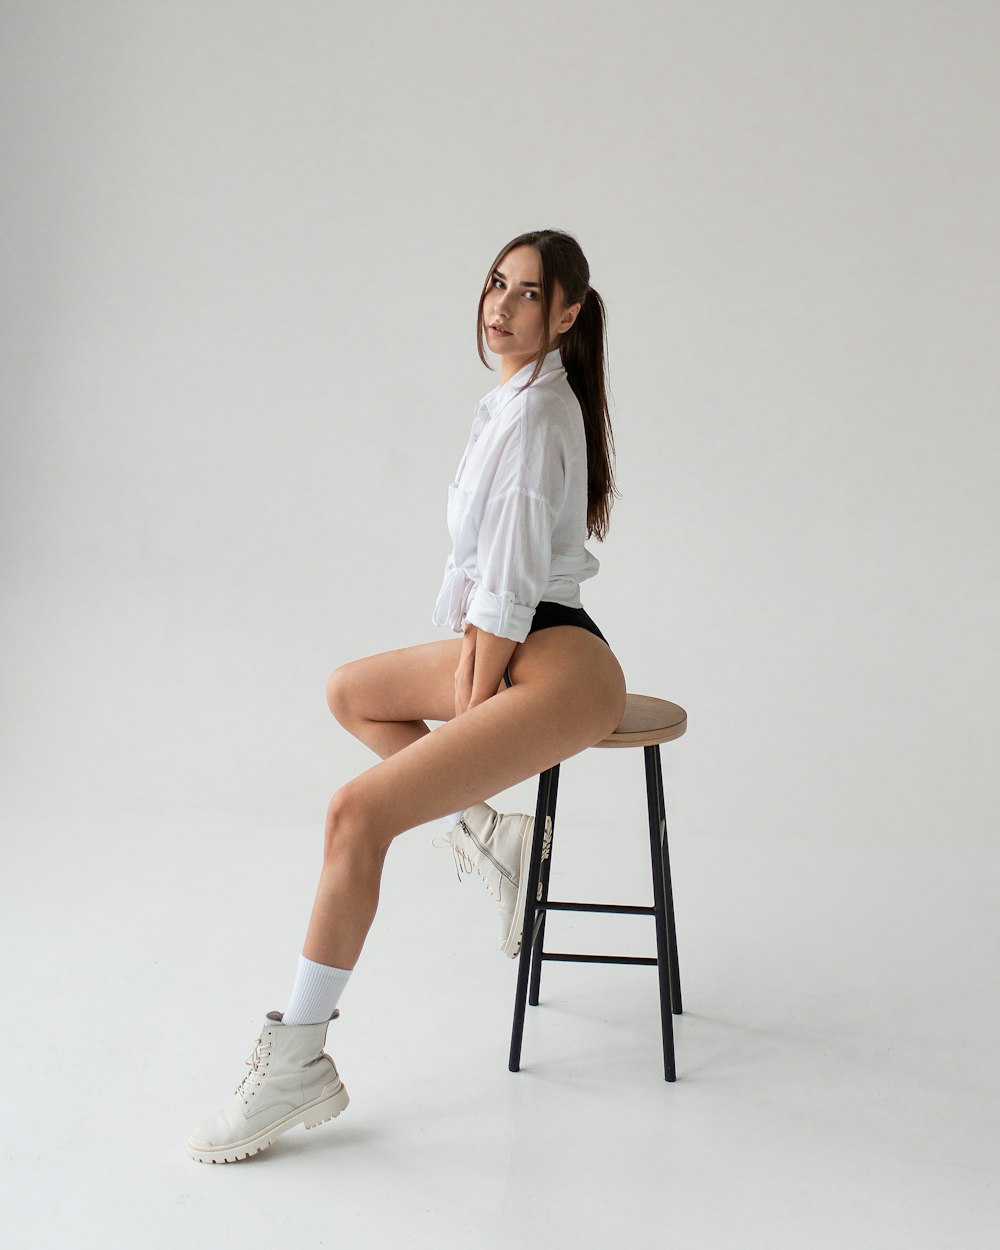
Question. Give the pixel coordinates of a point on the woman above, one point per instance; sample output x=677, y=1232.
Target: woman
x=530, y=682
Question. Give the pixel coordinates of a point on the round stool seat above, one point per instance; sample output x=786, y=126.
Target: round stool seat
x=647, y=722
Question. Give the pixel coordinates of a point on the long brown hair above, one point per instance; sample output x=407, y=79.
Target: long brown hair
x=582, y=348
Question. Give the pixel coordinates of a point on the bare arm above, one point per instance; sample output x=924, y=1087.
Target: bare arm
x=492, y=656
x=465, y=671
x=481, y=667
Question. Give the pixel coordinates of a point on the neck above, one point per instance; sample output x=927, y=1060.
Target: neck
x=509, y=365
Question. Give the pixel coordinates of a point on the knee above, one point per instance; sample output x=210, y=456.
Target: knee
x=340, y=689
x=351, y=831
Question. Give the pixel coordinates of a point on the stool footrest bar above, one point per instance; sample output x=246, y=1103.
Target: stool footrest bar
x=600, y=959
x=618, y=908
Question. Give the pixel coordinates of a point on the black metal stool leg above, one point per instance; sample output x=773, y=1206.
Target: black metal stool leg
x=657, y=827
x=675, y=971
x=546, y=785
x=542, y=895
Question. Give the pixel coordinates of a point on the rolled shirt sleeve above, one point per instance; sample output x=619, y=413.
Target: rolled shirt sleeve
x=506, y=507
x=453, y=598
x=514, y=557
x=514, y=542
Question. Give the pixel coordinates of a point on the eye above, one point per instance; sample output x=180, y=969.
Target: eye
x=499, y=282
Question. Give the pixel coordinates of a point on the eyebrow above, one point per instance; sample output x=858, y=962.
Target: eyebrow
x=498, y=274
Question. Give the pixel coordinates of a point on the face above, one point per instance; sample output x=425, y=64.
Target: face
x=512, y=310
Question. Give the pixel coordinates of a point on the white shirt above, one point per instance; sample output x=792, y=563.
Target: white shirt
x=517, y=509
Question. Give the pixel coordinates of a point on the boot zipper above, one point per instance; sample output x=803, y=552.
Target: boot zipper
x=493, y=860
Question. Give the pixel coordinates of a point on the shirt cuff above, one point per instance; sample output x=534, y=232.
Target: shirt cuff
x=499, y=614
x=452, y=601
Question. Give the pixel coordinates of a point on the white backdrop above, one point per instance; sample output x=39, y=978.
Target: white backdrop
x=243, y=245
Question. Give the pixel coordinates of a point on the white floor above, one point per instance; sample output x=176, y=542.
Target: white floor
x=837, y=1056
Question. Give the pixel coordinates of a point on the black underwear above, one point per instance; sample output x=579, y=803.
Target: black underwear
x=548, y=614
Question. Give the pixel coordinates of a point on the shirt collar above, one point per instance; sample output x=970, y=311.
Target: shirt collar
x=496, y=399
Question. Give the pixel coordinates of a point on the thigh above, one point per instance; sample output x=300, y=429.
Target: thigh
x=411, y=683
x=568, y=693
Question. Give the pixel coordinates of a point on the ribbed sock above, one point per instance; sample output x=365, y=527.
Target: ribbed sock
x=316, y=992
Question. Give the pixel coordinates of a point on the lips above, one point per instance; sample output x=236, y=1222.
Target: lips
x=498, y=330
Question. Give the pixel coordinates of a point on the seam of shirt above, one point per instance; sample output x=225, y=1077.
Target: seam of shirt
x=496, y=496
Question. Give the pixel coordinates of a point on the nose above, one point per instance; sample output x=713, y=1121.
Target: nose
x=501, y=299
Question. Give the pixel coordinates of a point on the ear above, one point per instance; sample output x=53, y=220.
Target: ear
x=568, y=317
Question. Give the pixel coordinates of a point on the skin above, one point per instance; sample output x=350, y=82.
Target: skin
x=568, y=694
x=515, y=304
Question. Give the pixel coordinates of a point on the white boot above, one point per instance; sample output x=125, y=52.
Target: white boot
x=291, y=1081
x=498, y=847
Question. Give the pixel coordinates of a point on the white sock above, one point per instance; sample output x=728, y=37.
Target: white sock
x=316, y=992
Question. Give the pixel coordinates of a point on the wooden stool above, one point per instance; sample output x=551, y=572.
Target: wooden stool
x=647, y=723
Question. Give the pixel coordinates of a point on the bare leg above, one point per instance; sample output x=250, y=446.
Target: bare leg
x=345, y=904
x=371, y=697
x=568, y=693
x=386, y=737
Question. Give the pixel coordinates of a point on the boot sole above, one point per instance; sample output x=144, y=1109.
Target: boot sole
x=311, y=1114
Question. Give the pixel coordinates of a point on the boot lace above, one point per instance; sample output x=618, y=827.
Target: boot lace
x=246, y=1089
